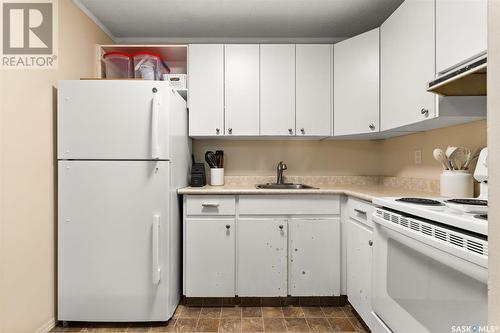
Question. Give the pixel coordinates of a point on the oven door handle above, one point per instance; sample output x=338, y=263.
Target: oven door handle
x=471, y=264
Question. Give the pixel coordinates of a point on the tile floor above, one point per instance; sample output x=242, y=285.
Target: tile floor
x=239, y=319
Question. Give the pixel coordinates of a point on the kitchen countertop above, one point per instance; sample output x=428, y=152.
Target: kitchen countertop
x=364, y=192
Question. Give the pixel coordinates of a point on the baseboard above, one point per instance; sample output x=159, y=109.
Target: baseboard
x=265, y=301
x=45, y=328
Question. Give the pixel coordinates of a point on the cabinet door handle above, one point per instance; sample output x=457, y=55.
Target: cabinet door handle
x=281, y=226
x=208, y=204
x=359, y=211
x=228, y=226
x=290, y=131
x=372, y=127
x=217, y=131
x=425, y=112
x=303, y=131
x=230, y=130
x=370, y=242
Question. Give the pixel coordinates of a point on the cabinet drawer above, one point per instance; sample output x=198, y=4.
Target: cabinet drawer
x=210, y=205
x=360, y=211
x=289, y=205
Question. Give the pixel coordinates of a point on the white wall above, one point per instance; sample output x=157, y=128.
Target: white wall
x=494, y=160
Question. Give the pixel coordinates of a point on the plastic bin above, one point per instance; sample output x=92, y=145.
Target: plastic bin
x=148, y=66
x=118, y=65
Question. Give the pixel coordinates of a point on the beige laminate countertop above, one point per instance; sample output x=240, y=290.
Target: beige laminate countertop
x=364, y=192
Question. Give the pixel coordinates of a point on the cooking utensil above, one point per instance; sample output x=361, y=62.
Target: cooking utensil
x=219, y=156
x=449, y=153
x=210, y=159
x=471, y=157
x=459, y=157
x=441, y=157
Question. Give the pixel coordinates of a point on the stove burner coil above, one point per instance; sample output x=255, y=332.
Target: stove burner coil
x=473, y=202
x=421, y=201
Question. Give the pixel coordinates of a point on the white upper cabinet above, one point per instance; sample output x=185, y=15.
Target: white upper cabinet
x=206, y=89
x=242, y=89
x=407, y=64
x=461, y=31
x=313, y=89
x=277, y=89
x=356, y=84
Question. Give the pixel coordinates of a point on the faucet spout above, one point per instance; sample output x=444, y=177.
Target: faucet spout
x=279, y=172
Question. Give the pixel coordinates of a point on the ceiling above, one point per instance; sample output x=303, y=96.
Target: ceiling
x=236, y=20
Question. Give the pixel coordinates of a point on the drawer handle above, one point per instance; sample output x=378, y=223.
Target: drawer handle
x=281, y=226
x=228, y=226
x=210, y=205
x=370, y=242
x=359, y=211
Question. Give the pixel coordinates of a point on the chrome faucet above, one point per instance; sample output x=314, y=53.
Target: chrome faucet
x=279, y=172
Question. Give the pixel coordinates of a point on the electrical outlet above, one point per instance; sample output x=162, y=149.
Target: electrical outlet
x=418, y=157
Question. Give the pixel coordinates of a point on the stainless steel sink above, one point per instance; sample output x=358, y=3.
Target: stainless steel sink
x=284, y=186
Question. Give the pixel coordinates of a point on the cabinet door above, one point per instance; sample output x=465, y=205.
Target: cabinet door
x=314, y=257
x=359, y=268
x=277, y=89
x=461, y=31
x=206, y=89
x=210, y=251
x=407, y=64
x=262, y=257
x=242, y=89
x=356, y=84
x=313, y=89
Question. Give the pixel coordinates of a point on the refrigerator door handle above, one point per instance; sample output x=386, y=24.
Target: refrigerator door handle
x=156, y=249
x=155, y=123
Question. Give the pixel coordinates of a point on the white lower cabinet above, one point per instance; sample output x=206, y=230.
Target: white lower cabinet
x=209, y=251
x=359, y=263
x=262, y=257
x=359, y=257
x=314, y=256
x=261, y=246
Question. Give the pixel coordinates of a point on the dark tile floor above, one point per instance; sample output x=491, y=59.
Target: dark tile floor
x=239, y=319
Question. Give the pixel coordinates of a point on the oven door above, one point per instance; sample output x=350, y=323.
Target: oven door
x=427, y=278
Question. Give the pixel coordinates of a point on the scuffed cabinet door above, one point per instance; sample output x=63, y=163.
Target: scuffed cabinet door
x=262, y=257
x=210, y=248
x=314, y=257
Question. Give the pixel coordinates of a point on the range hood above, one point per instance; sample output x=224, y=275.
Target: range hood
x=466, y=80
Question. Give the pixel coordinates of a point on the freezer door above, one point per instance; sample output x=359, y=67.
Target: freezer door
x=113, y=227
x=113, y=119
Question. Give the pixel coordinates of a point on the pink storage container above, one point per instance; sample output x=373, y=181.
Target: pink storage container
x=149, y=66
x=118, y=65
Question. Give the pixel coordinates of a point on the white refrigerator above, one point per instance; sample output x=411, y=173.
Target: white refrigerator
x=123, y=151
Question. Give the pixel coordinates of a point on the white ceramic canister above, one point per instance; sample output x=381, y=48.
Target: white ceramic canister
x=217, y=176
x=457, y=184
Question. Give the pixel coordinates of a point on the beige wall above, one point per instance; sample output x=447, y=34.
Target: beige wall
x=27, y=250
x=391, y=157
x=494, y=159
x=399, y=153
x=302, y=157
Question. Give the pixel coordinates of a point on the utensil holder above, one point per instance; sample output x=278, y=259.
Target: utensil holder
x=456, y=184
x=217, y=176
